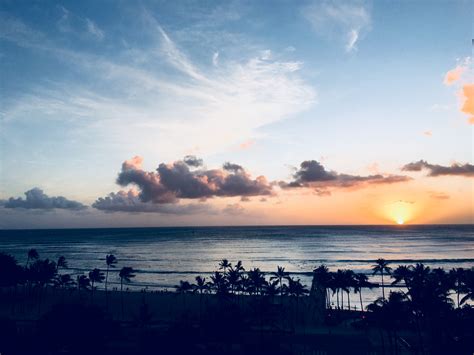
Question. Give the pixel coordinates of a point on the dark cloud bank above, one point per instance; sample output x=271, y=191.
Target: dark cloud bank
x=160, y=191
x=311, y=174
x=440, y=170
x=37, y=199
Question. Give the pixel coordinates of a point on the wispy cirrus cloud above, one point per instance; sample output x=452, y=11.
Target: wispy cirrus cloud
x=346, y=20
x=213, y=107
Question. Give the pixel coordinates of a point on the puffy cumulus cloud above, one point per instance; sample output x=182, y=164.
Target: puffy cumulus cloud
x=171, y=182
x=312, y=174
x=440, y=170
x=468, y=105
x=37, y=199
x=129, y=201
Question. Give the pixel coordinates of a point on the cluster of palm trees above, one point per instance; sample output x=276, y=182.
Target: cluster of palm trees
x=37, y=273
x=235, y=280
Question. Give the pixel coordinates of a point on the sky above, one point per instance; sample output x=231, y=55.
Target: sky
x=160, y=113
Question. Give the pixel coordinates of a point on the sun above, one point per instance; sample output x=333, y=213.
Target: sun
x=400, y=221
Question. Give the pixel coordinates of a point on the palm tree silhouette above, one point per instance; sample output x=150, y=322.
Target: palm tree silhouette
x=95, y=276
x=457, y=276
x=468, y=286
x=361, y=281
x=256, y=280
x=83, y=282
x=61, y=263
x=218, y=283
x=224, y=265
x=126, y=274
x=381, y=267
x=322, y=277
x=32, y=255
x=349, y=281
x=279, y=275
x=110, y=260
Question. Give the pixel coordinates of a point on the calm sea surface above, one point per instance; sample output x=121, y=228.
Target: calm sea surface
x=163, y=256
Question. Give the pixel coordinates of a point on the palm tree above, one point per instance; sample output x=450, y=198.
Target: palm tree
x=322, y=278
x=233, y=278
x=457, y=275
x=361, y=281
x=402, y=273
x=83, y=282
x=468, y=286
x=218, y=283
x=183, y=287
x=349, y=281
x=110, y=260
x=61, y=263
x=32, y=255
x=201, y=285
x=279, y=275
x=381, y=267
x=95, y=276
x=126, y=274
x=256, y=280
x=224, y=265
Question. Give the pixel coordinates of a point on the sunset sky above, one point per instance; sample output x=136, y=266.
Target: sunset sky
x=227, y=113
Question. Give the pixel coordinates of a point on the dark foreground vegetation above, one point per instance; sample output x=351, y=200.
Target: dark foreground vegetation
x=46, y=310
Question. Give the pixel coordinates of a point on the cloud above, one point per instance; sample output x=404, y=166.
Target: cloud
x=129, y=201
x=81, y=27
x=171, y=182
x=339, y=18
x=456, y=73
x=439, y=195
x=468, y=105
x=215, y=59
x=466, y=170
x=247, y=144
x=158, y=92
x=37, y=199
x=234, y=209
x=312, y=174
x=191, y=160
x=428, y=133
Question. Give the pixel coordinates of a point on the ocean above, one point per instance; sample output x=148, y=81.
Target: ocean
x=164, y=256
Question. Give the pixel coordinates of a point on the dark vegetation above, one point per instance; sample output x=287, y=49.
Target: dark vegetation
x=239, y=312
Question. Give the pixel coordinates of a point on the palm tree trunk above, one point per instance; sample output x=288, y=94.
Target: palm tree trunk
x=349, y=300
x=360, y=297
x=121, y=294
x=342, y=299
x=383, y=287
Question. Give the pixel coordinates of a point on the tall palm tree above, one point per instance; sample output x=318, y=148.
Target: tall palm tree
x=233, y=278
x=381, y=267
x=322, y=277
x=361, y=281
x=83, y=282
x=183, y=287
x=402, y=273
x=126, y=274
x=32, y=255
x=349, y=281
x=95, y=276
x=279, y=275
x=110, y=260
